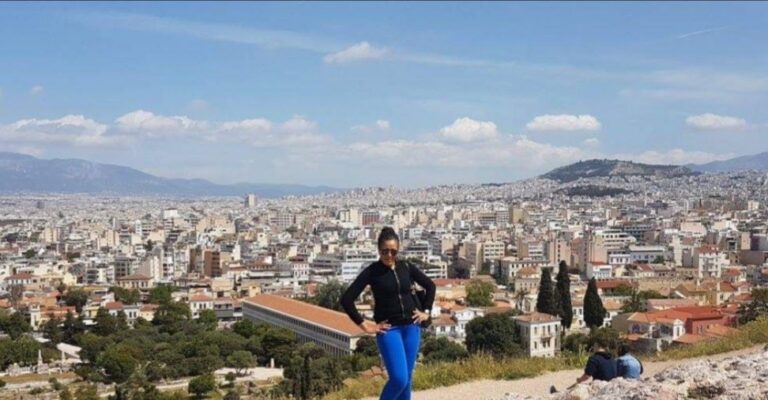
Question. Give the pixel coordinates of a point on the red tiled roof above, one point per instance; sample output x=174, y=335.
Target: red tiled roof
x=20, y=276
x=114, y=305
x=537, y=317
x=317, y=315
x=700, y=312
x=691, y=339
x=614, y=283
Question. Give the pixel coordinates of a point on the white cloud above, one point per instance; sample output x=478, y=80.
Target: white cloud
x=152, y=125
x=468, y=130
x=714, y=122
x=357, y=52
x=699, y=32
x=711, y=80
x=71, y=129
x=510, y=151
x=296, y=132
x=564, y=122
x=380, y=125
x=674, y=157
x=36, y=90
x=592, y=142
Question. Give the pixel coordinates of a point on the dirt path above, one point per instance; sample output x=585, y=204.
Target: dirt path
x=539, y=386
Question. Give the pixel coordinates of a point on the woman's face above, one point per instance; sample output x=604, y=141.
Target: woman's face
x=388, y=251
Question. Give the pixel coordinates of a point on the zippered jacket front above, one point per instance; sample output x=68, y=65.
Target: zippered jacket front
x=393, y=301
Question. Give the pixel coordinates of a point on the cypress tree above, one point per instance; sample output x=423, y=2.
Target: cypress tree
x=545, y=302
x=563, y=291
x=594, y=312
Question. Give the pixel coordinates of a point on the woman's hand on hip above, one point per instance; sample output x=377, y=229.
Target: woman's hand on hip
x=381, y=327
x=419, y=316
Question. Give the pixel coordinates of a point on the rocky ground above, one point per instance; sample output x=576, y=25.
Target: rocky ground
x=734, y=378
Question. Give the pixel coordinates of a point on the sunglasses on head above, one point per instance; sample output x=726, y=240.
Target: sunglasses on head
x=390, y=252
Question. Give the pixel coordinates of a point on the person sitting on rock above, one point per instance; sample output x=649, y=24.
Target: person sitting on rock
x=600, y=366
x=627, y=366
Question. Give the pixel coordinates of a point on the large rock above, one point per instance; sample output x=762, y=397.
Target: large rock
x=735, y=378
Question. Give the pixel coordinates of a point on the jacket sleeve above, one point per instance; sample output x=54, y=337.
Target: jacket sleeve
x=424, y=281
x=621, y=367
x=352, y=293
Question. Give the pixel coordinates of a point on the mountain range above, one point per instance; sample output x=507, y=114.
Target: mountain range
x=604, y=168
x=755, y=161
x=24, y=173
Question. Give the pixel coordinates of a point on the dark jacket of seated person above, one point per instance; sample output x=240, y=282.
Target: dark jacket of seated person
x=600, y=366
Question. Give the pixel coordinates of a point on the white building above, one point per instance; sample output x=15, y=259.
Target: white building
x=540, y=333
x=599, y=270
x=331, y=330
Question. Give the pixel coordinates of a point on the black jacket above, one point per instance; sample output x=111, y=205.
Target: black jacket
x=393, y=301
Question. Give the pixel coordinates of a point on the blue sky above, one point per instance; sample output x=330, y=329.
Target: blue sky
x=359, y=94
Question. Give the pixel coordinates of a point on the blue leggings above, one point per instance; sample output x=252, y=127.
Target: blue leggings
x=399, y=346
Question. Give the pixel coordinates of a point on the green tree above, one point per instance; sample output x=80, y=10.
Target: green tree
x=658, y=260
x=240, y=361
x=442, y=349
x=480, y=293
x=594, y=312
x=637, y=300
x=278, y=343
x=576, y=343
x=607, y=336
x=126, y=296
x=162, y=294
x=106, y=324
x=756, y=308
x=77, y=298
x=92, y=345
x=171, y=317
x=563, y=290
x=245, y=328
x=545, y=302
x=15, y=294
x=311, y=373
x=52, y=330
x=493, y=334
x=207, y=318
x=201, y=385
x=329, y=295
x=30, y=253
x=366, y=346
x=72, y=327
x=14, y=325
x=118, y=364
x=623, y=290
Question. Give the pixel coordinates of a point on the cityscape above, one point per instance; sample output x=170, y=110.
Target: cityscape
x=200, y=250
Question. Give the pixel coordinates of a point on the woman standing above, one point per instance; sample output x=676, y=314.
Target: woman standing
x=395, y=312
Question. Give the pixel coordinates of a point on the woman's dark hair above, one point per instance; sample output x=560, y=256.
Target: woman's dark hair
x=387, y=233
